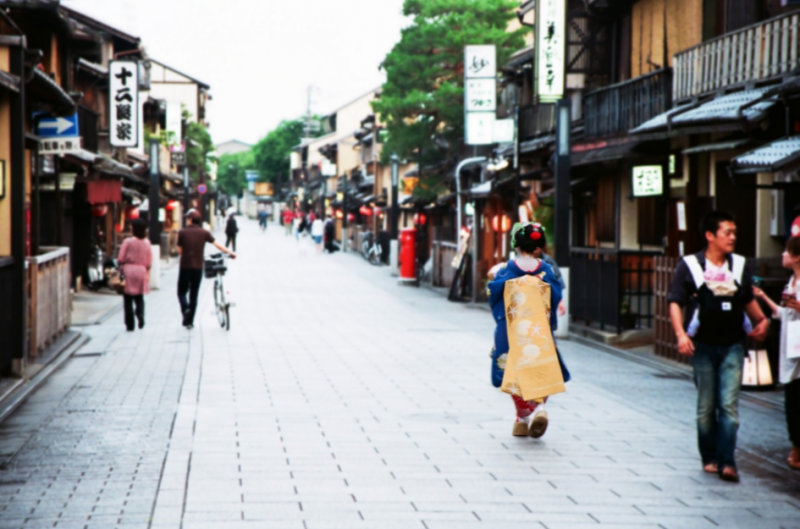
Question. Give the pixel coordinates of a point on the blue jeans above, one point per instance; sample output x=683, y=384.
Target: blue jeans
x=718, y=377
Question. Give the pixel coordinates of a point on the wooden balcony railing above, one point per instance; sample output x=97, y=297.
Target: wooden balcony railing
x=536, y=120
x=762, y=51
x=620, y=107
x=50, y=304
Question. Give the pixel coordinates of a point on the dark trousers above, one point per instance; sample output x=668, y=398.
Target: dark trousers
x=793, y=411
x=129, y=310
x=231, y=241
x=189, y=282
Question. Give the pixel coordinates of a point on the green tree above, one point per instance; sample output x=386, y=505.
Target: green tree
x=198, y=147
x=422, y=101
x=231, y=170
x=271, y=153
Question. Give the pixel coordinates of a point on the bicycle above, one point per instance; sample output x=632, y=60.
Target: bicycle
x=371, y=250
x=215, y=268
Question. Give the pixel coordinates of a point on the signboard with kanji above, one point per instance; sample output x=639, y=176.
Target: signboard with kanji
x=480, y=95
x=59, y=145
x=123, y=82
x=264, y=189
x=648, y=181
x=552, y=37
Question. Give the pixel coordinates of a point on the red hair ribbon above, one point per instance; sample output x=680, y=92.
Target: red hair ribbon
x=536, y=235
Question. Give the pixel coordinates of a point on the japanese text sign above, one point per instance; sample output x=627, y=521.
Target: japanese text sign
x=648, y=180
x=551, y=36
x=480, y=62
x=480, y=93
x=123, y=81
x=59, y=145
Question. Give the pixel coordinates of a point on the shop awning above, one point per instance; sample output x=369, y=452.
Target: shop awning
x=776, y=156
x=44, y=89
x=481, y=190
x=111, y=167
x=536, y=144
x=104, y=191
x=719, y=146
x=604, y=154
x=9, y=81
x=747, y=106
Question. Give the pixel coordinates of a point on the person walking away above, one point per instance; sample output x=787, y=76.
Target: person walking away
x=789, y=356
x=231, y=229
x=717, y=286
x=191, y=246
x=262, y=217
x=317, y=231
x=136, y=258
x=330, y=235
x=532, y=419
x=288, y=217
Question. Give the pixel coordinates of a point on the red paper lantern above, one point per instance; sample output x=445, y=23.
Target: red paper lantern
x=133, y=213
x=420, y=219
x=351, y=218
x=339, y=214
x=99, y=210
x=366, y=211
x=172, y=204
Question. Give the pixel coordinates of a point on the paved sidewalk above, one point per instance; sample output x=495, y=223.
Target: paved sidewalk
x=339, y=400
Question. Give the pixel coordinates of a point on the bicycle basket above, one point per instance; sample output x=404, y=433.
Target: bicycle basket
x=213, y=267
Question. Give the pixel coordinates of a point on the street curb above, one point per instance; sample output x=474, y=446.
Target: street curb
x=21, y=391
x=670, y=368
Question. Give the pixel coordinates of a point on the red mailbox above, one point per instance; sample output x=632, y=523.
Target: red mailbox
x=408, y=254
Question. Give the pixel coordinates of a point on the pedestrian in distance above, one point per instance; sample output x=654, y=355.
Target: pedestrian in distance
x=262, y=217
x=136, y=258
x=317, y=231
x=330, y=236
x=789, y=356
x=231, y=229
x=191, y=246
x=532, y=419
x=288, y=217
x=717, y=286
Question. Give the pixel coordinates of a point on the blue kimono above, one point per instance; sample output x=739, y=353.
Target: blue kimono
x=497, y=302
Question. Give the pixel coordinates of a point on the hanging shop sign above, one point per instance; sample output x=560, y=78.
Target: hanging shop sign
x=251, y=176
x=178, y=158
x=174, y=126
x=123, y=82
x=264, y=189
x=648, y=181
x=480, y=94
x=60, y=145
x=552, y=37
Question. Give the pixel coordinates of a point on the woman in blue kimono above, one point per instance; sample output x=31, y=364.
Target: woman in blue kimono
x=527, y=240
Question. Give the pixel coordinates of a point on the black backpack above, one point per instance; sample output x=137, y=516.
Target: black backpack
x=718, y=312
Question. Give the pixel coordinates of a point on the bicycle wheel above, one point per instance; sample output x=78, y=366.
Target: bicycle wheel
x=375, y=256
x=219, y=304
x=228, y=317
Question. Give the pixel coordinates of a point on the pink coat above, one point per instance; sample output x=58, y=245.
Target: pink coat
x=136, y=258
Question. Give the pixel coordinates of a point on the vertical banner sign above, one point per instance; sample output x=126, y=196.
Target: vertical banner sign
x=550, y=58
x=480, y=93
x=174, y=126
x=123, y=82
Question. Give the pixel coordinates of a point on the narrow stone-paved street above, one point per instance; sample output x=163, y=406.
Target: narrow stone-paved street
x=341, y=400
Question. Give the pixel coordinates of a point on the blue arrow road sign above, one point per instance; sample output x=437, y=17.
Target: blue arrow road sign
x=58, y=127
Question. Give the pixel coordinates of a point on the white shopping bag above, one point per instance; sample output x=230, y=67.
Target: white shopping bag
x=756, y=370
x=793, y=339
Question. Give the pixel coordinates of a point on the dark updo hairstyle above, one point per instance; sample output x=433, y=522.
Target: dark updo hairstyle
x=793, y=246
x=529, y=238
x=139, y=228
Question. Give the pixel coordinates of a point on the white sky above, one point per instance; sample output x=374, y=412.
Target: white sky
x=259, y=56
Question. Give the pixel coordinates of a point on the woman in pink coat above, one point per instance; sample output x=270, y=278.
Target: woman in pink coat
x=135, y=258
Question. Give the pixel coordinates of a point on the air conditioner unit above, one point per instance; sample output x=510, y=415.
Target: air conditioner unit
x=777, y=222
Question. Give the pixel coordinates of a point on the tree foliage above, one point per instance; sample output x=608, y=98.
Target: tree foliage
x=271, y=154
x=422, y=101
x=198, y=147
x=231, y=170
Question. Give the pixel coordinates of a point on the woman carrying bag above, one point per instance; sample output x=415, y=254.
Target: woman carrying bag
x=789, y=359
x=136, y=258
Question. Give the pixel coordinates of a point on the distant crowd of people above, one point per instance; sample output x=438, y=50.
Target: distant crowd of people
x=320, y=228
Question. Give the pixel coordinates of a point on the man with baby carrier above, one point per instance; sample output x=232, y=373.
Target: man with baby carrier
x=716, y=287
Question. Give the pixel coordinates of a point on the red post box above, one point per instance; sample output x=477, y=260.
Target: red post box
x=408, y=254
